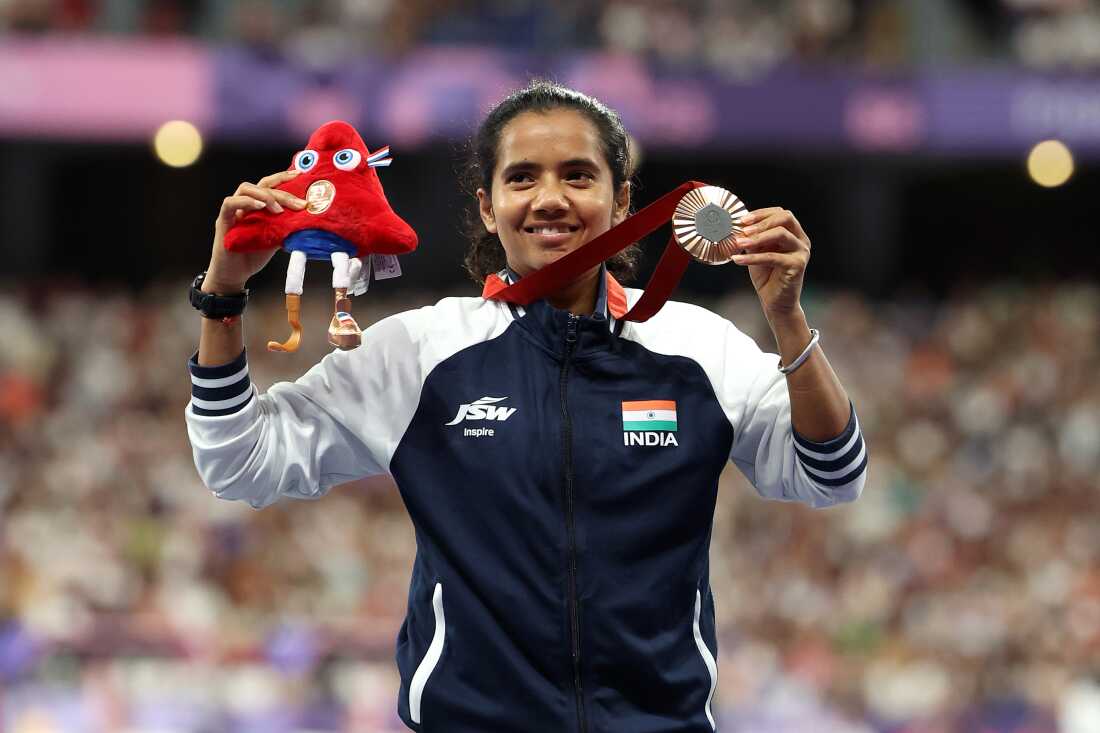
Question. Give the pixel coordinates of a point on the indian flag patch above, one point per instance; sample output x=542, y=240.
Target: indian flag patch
x=656, y=415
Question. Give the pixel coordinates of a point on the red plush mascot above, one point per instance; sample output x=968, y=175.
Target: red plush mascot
x=346, y=218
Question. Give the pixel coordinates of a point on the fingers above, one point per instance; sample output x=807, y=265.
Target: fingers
x=776, y=239
x=757, y=214
x=772, y=230
x=254, y=196
x=772, y=237
x=762, y=220
x=792, y=264
x=265, y=195
x=272, y=198
x=276, y=178
x=286, y=198
x=233, y=205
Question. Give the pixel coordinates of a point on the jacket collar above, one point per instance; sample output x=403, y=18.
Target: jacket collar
x=548, y=326
x=610, y=300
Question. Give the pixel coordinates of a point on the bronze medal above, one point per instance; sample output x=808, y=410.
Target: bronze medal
x=705, y=222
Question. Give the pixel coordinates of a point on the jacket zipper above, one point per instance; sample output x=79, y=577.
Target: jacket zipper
x=567, y=461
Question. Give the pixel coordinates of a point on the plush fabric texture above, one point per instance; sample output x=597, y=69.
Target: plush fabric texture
x=358, y=211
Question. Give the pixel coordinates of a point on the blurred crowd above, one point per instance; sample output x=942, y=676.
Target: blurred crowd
x=960, y=593
x=731, y=37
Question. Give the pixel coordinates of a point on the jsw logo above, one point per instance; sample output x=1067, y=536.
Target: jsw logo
x=483, y=409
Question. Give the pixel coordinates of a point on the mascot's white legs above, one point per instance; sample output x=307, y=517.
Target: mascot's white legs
x=295, y=277
x=359, y=279
x=343, y=331
x=296, y=273
x=340, y=274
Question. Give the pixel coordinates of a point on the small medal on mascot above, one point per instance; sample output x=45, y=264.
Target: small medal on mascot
x=347, y=222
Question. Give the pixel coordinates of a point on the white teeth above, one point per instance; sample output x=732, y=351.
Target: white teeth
x=551, y=230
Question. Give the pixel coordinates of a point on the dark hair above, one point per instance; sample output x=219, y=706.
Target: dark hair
x=485, y=255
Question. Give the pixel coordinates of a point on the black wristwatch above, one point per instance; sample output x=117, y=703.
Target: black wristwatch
x=216, y=306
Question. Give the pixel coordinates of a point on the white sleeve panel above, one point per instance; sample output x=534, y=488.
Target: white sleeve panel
x=753, y=395
x=343, y=419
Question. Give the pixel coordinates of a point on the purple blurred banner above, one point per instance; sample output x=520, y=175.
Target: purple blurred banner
x=82, y=89
x=85, y=89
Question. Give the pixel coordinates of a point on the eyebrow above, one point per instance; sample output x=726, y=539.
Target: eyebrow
x=527, y=165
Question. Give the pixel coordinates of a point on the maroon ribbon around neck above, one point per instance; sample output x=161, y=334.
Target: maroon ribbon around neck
x=558, y=274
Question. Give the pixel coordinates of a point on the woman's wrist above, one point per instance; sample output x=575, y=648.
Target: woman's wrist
x=791, y=332
x=789, y=324
x=213, y=283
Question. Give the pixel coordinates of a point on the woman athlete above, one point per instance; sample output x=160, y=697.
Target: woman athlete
x=559, y=464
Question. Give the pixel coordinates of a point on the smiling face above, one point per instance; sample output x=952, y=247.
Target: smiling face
x=552, y=189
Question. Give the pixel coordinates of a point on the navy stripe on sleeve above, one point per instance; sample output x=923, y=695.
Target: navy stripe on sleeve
x=846, y=478
x=220, y=390
x=837, y=461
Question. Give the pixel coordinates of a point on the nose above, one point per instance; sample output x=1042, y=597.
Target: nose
x=551, y=199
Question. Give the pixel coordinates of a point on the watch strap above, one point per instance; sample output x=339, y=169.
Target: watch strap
x=216, y=305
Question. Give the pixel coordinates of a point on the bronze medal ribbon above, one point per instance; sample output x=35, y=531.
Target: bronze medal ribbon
x=561, y=272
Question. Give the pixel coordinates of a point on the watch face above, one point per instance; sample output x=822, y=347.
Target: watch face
x=196, y=295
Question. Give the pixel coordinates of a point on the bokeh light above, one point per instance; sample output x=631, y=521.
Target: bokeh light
x=1050, y=163
x=177, y=143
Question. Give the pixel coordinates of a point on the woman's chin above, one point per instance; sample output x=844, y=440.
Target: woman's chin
x=553, y=254
x=544, y=256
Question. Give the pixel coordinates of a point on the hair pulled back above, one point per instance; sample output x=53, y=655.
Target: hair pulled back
x=485, y=254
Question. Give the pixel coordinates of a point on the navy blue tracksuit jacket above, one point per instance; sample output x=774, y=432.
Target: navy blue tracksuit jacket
x=561, y=474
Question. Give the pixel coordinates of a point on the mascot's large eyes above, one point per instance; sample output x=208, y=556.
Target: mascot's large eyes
x=305, y=160
x=347, y=159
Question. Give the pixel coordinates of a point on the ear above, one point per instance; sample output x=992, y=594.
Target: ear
x=485, y=208
x=622, y=204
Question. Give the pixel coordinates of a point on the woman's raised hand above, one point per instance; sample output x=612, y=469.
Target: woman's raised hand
x=229, y=271
x=776, y=250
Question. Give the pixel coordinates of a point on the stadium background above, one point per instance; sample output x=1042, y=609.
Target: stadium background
x=957, y=298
